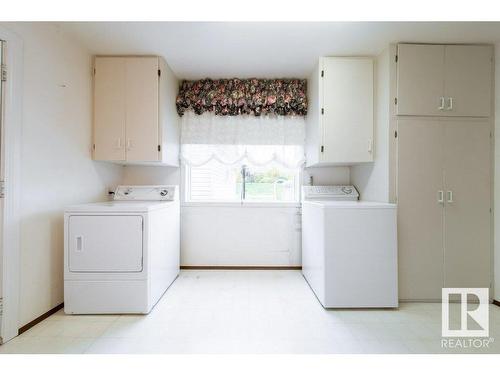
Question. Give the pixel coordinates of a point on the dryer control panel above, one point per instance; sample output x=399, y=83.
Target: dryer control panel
x=333, y=192
x=146, y=193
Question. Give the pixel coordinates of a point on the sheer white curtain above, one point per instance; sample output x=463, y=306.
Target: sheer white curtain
x=260, y=140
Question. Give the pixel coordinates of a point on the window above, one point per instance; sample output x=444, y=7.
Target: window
x=242, y=158
x=243, y=182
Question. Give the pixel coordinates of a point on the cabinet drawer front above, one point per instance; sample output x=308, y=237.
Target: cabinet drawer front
x=468, y=77
x=142, y=109
x=105, y=243
x=347, y=122
x=420, y=79
x=109, y=108
x=467, y=185
x=444, y=219
x=420, y=212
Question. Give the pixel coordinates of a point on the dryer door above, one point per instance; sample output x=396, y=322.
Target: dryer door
x=105, y=243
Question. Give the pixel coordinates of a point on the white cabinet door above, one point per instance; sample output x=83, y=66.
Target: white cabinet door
x=347, y=121
x=467, y=208
x=468, y=80
x=420, y=80
x=142, y=109
x=105, y=243
x=109, y=108
x=420, y=214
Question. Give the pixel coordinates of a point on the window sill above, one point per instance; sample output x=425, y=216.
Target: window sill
x=243, y=205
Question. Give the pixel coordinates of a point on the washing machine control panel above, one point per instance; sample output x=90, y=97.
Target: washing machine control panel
x=146, y=193
x=333, y=192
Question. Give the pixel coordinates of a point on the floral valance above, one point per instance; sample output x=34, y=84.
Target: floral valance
x=243, y=96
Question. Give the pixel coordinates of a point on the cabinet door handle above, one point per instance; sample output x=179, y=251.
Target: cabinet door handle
x=450, y=104
x=79, y=243
x=449, y=193
x=370, y=145
x=440, y=196
x=129, y=144
x=119, y=143
x=441, y=107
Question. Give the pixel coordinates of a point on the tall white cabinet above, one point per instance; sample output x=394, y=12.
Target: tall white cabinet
x=443, y=168
x=135, y=119
x=340, y=116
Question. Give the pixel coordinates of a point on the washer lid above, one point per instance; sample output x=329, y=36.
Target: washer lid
x=350, y=204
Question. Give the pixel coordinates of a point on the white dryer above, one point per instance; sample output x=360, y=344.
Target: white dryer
x=120, y=256
x=349, y=248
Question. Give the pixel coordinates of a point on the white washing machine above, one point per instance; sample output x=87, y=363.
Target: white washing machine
x=349, y=248
x=121, y=256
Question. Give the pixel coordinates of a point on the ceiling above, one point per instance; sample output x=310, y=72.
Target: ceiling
x=264, y=50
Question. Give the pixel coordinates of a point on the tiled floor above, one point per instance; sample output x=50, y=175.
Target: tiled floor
x=246, y=312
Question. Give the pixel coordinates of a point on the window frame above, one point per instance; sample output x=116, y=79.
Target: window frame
x=186, y=201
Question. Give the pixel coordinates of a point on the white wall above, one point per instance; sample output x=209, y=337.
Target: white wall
x=327, y=176
x=496, y=183
x=146, y=175
x=372, y=180
x=242, y=236
x=56, y=165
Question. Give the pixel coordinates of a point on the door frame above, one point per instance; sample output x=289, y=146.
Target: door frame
x=10, y=246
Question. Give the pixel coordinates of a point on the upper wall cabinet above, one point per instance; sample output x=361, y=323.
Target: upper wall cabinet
x=135, y=119
x=339, y=127
x=444, y=80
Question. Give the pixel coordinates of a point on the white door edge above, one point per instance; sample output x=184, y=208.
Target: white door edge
x=12, y=163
